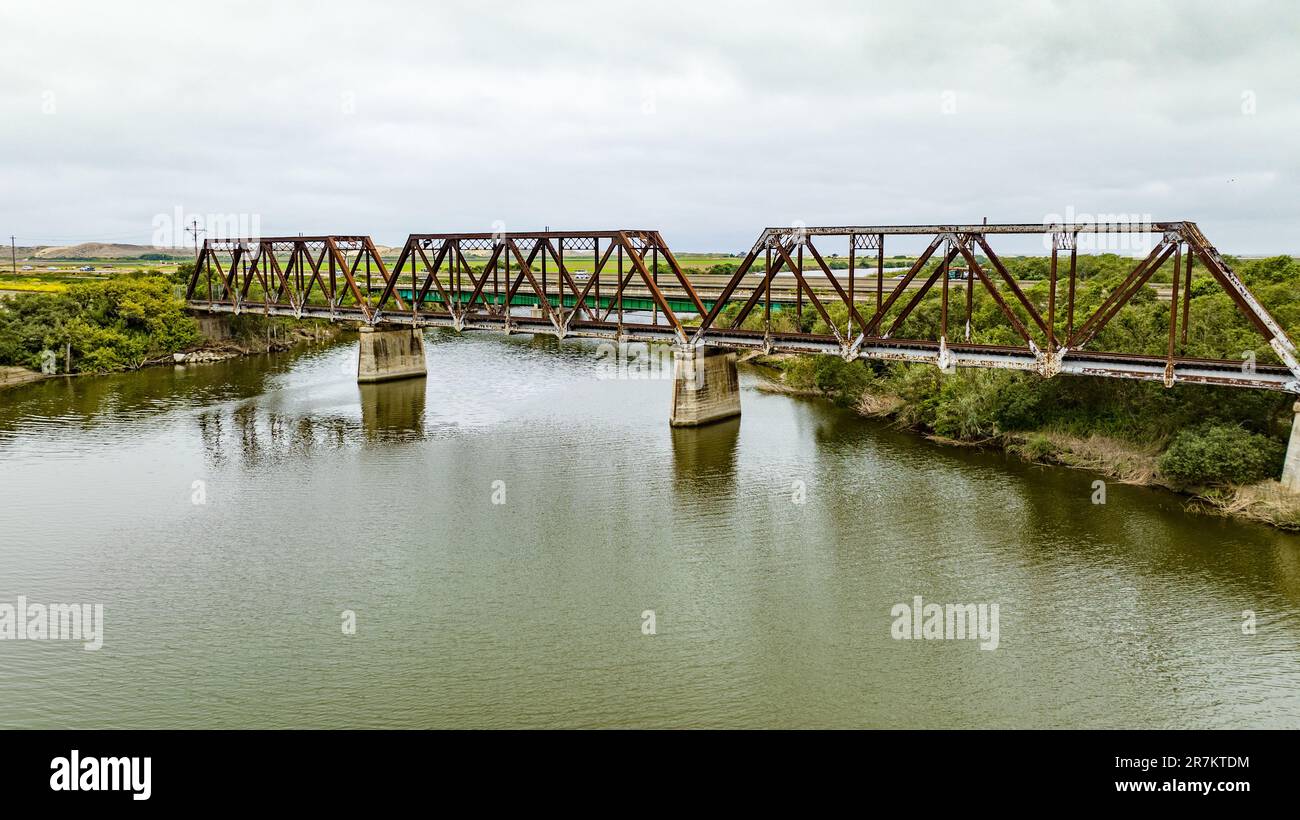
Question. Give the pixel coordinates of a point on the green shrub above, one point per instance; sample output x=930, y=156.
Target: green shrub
x=1271, y=270
x=1022, y=403
x=968, y=404
x=1219, y=454
x=801, y=372
x=918, y=386
x=844, y=381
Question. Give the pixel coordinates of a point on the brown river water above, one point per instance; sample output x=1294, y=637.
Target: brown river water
x=500, y=530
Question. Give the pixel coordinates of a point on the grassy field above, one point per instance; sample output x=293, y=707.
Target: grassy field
x=32, y=284
x=47, y=276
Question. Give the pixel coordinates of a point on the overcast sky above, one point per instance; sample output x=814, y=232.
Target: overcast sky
x=703, y=119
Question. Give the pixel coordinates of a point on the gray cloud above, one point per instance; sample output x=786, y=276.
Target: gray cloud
x=705, y=120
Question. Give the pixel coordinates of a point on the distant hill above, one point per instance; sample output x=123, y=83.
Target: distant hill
x=102, y=250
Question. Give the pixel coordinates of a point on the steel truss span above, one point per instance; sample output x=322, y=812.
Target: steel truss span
x=636, y=290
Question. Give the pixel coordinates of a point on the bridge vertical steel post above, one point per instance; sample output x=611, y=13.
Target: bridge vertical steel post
x=880, y=269
x=1051, y=299
x=970, y=303
x=1074, y=265
x=848, y=326
x=767, y=296
x=943, y=307
x=1173, y=314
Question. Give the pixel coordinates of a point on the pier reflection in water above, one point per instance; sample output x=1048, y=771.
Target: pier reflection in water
x=394, y=410
x=704, y=458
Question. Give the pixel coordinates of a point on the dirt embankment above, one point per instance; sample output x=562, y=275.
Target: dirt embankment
x=14, y=376
x=281, y=339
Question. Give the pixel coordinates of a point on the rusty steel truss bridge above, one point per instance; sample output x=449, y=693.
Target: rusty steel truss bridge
x=636, y=290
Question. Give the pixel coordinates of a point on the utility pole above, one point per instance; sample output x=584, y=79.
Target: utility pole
x=13, y=254
x=196, y=230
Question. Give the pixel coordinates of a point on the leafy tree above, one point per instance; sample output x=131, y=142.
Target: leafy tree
x=113, y=325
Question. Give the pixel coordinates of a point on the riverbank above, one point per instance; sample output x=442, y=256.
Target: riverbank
x=207, y=353
x=127, y=323
x=249, y=338
x=14, y=376
x=953, y=417
x=272, y=336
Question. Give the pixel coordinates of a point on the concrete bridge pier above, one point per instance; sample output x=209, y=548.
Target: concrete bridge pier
x=385, y=355
x=214, y=327
x=705, y=386
x=1291, y=467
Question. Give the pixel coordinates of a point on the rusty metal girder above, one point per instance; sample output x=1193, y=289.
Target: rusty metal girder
x=285, y=271
x=344, y=277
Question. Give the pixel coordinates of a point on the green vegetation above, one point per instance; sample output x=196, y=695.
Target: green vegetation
x=1198, y=435
x=99, y=327
x=50, y=275
x=33, y=284
x=1221, y=454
